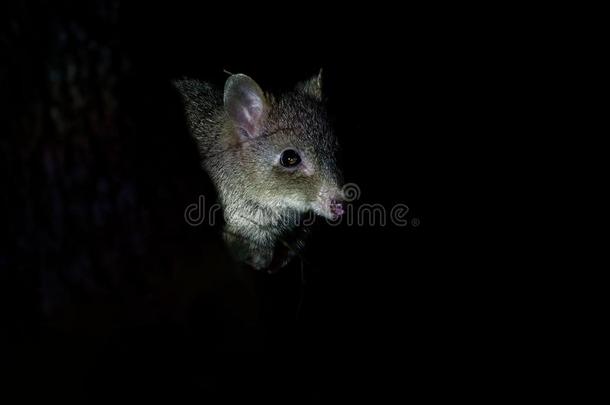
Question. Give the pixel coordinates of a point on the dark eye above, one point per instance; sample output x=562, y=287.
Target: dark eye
x=290, y=158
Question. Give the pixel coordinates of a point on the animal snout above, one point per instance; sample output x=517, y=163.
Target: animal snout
x=329, y=203
x=336, y=208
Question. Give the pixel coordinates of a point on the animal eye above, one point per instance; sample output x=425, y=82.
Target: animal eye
x=290, y=158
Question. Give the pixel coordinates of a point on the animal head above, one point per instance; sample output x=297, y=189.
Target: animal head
x=280, y=150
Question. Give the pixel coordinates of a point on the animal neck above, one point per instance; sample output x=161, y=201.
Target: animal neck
x=250, y=215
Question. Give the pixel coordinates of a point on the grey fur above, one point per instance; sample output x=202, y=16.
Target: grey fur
x=241, y=133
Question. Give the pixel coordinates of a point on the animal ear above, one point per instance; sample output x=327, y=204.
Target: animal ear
x=245, y=104
x=313, y=86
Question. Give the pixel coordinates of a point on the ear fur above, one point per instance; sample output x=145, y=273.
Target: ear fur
x=245, y=103
x=313, y=86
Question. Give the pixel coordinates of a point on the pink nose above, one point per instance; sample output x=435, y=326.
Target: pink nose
x=336, y=208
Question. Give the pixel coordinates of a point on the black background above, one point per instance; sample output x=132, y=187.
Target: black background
x=384, y=311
